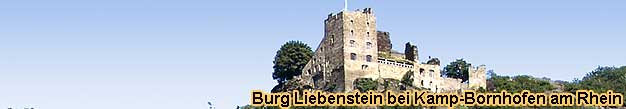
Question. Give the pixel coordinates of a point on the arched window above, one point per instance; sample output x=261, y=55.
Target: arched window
x=368, y=58
x=352, y=56
x=368, y=45
x=352, y=43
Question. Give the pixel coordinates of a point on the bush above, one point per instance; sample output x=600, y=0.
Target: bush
x=365, y=84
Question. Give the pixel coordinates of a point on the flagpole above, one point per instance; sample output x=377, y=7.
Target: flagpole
x=345, y=5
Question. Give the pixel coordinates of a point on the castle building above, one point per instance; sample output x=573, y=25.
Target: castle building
x=353, y=48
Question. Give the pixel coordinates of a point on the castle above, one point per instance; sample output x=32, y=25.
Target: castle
x=352, y=48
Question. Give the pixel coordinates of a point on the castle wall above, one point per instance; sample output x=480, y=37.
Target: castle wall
x=450, y=84
x=477, y=77
x=326, y=67
x=392, y=69
x=428, y=76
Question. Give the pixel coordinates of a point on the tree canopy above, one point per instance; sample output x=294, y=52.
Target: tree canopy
x=290, y=59
x=457, y=69
x=601, y=80
x=518, y=83
x=365, y=84
x=407, y=79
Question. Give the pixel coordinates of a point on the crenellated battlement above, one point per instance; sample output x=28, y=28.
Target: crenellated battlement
x=336, y=16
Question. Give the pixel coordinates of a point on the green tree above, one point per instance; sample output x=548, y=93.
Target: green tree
x=518, y=83
x=365, y=84
x=407, y=79
x=601, y=80
x=457, y=69
x=290, y=59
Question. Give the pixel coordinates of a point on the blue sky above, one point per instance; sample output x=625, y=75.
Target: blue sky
x=164, y=54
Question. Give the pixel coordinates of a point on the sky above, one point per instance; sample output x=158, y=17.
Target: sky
x=165, y=54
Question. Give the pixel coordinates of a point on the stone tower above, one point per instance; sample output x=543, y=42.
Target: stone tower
x=354, y=35
x=348, y=51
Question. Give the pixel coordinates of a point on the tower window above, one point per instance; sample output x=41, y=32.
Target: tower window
x=368, y=34
x=431, y=73
x=351, y=32
x=368, y=45
x=352, y=56
x=368, y=58
x=352, y=43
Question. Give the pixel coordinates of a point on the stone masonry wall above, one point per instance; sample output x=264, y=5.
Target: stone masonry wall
x=477, y=77
x=427, y=76
x=391, y=69
x=360, y=49
x=326, y=67
x=384, y=42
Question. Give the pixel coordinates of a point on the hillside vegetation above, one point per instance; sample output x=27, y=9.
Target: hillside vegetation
x=293, y=55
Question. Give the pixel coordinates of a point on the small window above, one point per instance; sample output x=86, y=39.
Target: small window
x=352, y=43
x=319, y=68
x=422, y=82
x=351, y=32
x=368, y=45
x=431, y=73
x=352, y=56
x=368, y=58
x=368, y=34
x=422, y=72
